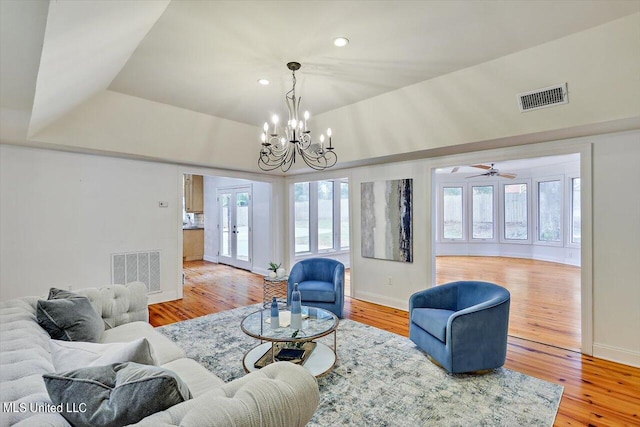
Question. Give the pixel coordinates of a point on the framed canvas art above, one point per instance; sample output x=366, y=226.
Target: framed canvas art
x=386, y=223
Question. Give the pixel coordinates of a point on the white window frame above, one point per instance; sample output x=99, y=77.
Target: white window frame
x=333, y=220
x=569, y=219
x=494, y=208
x=440, y=231
x=338, y=214
x=530, y=214
x=536, y=210
x=313, y=218
x=293, y=217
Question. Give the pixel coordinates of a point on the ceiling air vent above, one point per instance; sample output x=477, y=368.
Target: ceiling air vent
x=542, y=98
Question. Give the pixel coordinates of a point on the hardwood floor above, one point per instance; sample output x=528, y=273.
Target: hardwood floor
x=545, y=296
x=597, y=392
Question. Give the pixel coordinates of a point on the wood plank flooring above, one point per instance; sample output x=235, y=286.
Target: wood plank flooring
x=545, y=296
x=597, y=392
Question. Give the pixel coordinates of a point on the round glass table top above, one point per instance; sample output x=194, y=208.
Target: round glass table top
x=316, y=323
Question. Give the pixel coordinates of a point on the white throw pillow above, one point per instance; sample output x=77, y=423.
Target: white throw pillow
x=68, y=355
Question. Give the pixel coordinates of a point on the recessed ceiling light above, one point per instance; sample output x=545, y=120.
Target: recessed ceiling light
x=341, y=41
x=263, y=82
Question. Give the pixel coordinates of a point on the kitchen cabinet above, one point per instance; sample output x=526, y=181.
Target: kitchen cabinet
x=193, y=244
x=193, y=188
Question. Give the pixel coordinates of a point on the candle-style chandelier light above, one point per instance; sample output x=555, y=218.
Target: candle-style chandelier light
x=280, y=150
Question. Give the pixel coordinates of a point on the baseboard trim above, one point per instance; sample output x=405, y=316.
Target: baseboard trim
x=260, y=270
x=210, y=258
x=382, y=300
x=617, y=354
x=163, y=297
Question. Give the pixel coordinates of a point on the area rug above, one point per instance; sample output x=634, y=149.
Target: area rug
x=381, y=379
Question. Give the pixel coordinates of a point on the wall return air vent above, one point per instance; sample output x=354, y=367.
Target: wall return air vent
x=137, y=266
x=543, y=98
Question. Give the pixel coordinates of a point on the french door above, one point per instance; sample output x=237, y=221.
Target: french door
x=234, y=225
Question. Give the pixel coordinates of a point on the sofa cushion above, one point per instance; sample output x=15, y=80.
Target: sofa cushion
x=69, y=317
x=164, y=349
x=115, y=395
x=68, y=355
x=317, y=291
x=196, y=377
x=432, y=320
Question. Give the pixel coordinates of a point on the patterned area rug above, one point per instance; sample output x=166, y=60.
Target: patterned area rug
x=382, y=379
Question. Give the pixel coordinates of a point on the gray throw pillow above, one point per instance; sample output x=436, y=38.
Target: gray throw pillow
x=69, y=317
x=115, y=395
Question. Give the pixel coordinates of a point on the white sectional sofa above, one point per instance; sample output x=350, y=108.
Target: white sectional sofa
x=281, y=394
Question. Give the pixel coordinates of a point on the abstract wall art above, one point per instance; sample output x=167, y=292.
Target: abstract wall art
x=387, y=229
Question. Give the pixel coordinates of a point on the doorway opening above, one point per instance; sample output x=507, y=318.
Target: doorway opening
x=516, y=223
x=219, y=212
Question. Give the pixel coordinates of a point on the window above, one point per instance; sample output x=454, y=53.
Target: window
x=550, y=211
x=541, y=211
x=344, y=215
x=325, y=215
x=516, y=217
x=452, y=213
x=575, y=211
x=321, y=212
x=301, y=216
x=482, y=212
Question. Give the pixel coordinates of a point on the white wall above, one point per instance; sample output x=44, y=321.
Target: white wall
x=616, y=247
x=261, y=220
x=62, y=215
x=371, y=278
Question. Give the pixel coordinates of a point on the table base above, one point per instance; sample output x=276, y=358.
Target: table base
x=319, y=363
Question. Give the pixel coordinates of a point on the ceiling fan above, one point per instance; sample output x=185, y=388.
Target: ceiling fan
x=490, y=171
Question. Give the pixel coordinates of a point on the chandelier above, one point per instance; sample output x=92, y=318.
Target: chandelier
x=279, y=150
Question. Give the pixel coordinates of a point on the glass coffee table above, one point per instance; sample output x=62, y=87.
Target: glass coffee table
x=318, y=358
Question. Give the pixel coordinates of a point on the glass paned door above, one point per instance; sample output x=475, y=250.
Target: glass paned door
x=234, y=207
x=225, y=221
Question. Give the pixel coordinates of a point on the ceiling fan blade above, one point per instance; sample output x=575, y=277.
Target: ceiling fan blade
x=474, y=176
x=507, y=175
x=485, y=167
x=456, y=169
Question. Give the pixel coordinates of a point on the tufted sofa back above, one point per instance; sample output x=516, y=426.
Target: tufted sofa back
x=25, y=353
x=119, y=304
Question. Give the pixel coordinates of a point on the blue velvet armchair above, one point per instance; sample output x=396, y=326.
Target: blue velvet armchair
x=461, y=325
x=320, y=282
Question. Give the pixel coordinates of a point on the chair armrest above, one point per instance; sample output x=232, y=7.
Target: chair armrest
x=296, y=275
x=338, y=277
x=443, y=297
x=478, y=326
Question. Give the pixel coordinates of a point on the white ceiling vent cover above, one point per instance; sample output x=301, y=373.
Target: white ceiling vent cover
x=543, y=98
